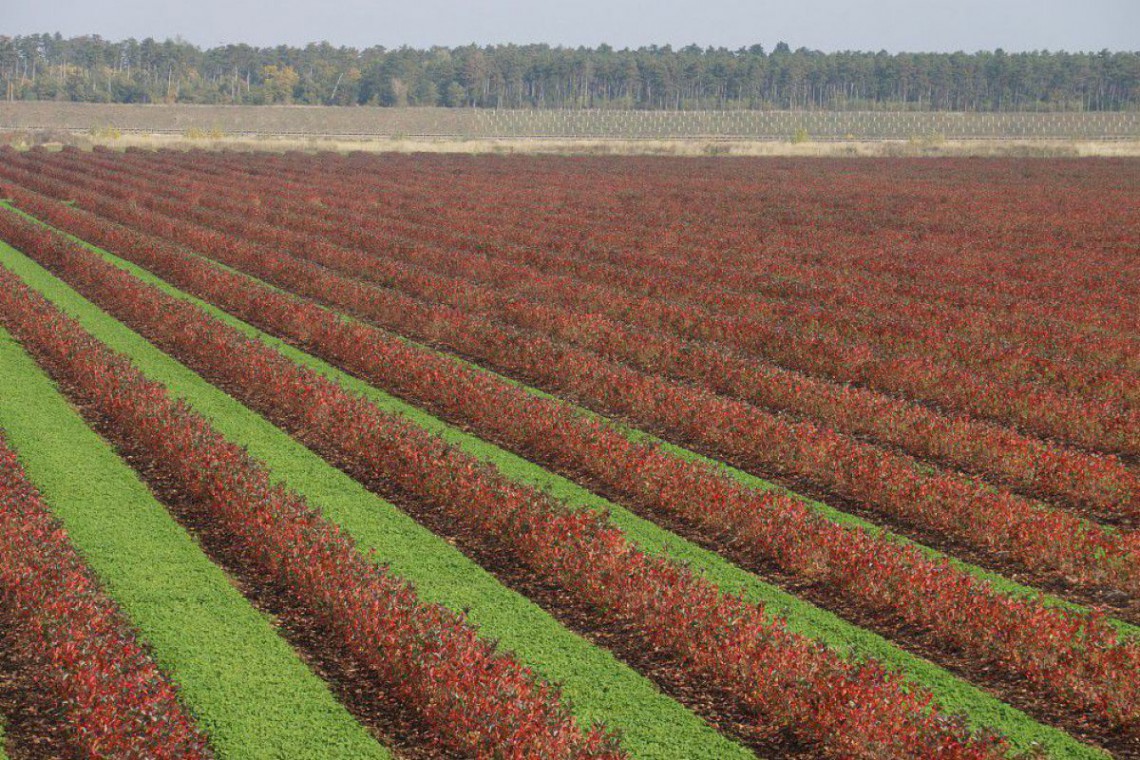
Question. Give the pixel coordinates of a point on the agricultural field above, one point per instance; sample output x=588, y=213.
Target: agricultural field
x=506, y=124
x=428, y=456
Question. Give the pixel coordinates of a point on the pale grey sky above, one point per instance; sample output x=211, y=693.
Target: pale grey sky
x=892, y=25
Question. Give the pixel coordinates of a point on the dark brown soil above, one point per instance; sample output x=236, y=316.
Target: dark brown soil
x=34, y=727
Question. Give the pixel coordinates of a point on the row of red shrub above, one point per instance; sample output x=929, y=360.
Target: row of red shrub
x=474, y=699
x=782, y=681
x=79, y=651
x=890, y=333
x=878, y=320
x=1030, y=534
x=730, y=223
x=559, y=307
x=1100, y=424
x=1079, y=660
x=467, y=201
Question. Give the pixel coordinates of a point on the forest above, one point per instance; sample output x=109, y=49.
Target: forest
x=92, y=69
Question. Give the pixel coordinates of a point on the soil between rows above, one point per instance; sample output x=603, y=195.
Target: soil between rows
x=35, y=727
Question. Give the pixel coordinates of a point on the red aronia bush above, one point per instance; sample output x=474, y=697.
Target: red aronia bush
x=824, y=317
x=1078, y=659
x=473, y=699
x=1032, y=534
x=621, y=326
x=781, y=681
x=78, y=649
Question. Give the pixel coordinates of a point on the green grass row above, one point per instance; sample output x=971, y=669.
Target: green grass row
x=956, y=694
x=248, y=689
x=599, y=687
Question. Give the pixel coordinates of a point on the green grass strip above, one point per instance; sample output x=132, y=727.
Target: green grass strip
x=599, y=687
x=956, y=694
x=249, y=690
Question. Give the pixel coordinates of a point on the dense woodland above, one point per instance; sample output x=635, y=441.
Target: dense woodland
x=49, y=67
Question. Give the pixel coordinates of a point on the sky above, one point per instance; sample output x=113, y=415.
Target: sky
x=828, y=25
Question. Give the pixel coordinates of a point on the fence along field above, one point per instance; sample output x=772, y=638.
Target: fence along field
x=408, y=205
x=532, y=124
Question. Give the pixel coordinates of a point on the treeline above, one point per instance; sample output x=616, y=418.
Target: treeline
x=49, y=67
